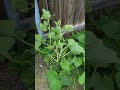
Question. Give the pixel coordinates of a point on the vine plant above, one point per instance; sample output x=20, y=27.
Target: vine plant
x=65, y=57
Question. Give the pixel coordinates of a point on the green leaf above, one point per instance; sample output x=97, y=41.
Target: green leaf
x=82, y=78
x=6, y=44
x=46, y=14
x=65, y=65
x=58, y=23
x=57, y=29
x=43, y=27
x=99, y=83
x=66, y=80
x=46, y=23
x=81, y=37
x=103, y=20
x=20, y=5
x=51, y=35
x=74, y=47
x=77, y=62
x=20, y=59
x=52, y=74
x=108, y=83
x=64, y=72
x=37, y=41
x=117, y=78
x=105, y=84
x=47, y=58
x=97, y=53
x=7, y=27
x=111, y=28
x=54, y=82
x=68, y=28
x=27, y=76
x=37, y=37
x=37, y=45
x=65, y=77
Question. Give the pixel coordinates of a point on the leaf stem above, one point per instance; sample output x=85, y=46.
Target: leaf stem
x=24, y=41
x=63, y=49
x=66, y=54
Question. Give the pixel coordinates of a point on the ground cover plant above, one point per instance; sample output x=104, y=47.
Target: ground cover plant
x=18, y=55
x=64, y=57
x=103, y=49
x=17, y=49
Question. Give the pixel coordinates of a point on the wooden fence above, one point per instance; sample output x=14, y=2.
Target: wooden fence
x=68, y=11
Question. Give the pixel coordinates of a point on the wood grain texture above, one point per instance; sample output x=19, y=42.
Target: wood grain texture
x=68, y=11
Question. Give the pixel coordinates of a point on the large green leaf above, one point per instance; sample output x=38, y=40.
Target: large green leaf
x=97, y=53
x=6, y=43
x=74, y=47
x=65, y=65
x=27, y=76
x=102, y=83
x=105, y=84
x=7, y=27
x=111, y=43
x=77, y=62
x=108, y=83
x=54, y=82
x=112, y=28
x=65, y=77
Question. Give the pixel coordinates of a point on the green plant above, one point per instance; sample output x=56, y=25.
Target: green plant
x=65, y=57
x=19, y=54
x=103, y=50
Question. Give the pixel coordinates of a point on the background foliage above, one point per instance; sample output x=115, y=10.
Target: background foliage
x=17, y=45
x=103, y=49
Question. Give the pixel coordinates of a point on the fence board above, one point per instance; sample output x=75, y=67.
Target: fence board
x=68, y=11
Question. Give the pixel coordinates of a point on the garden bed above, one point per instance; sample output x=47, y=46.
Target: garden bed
x=63, y=56
x=41, y=81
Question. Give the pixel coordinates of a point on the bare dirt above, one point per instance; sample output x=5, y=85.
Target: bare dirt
x=10, y=80
x=40, y=75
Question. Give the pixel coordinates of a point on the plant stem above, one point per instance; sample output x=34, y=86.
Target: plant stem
x=52, y=57
x=24, y=41
x=63, y=49
x=66, y=54
x=45, y=43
